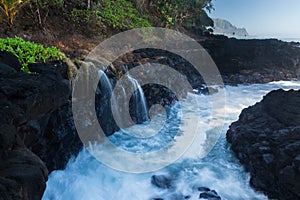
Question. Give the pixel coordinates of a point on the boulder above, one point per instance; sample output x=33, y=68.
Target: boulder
x=10, y=59
x=6, y=70
x=161, y=181
x=210, y=195
x=266, y=140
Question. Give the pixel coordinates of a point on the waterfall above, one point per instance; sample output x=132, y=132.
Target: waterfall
x=105, y=83
x=140, y=112
x=137, y=105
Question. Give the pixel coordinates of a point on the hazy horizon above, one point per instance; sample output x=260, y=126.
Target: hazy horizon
x=261, y=18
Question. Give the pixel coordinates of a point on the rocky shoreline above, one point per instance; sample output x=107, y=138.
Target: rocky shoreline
x=254, y=61
x=239, y=61
x=37, y=130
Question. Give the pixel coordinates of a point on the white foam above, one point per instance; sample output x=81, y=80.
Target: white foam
x=86, y=178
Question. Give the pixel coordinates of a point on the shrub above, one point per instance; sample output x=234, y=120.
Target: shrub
x=118, y=14
x=10, y=8
x=176, y=13
x=29, y=52
x=122, y=14
x=83, y=16
x=54, y=2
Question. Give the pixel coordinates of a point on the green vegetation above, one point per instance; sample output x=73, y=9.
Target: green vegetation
x=29, y=52
x=118, y=14
x=190, y=13
x=122, y=14
x=45, y=2
x=83, y=16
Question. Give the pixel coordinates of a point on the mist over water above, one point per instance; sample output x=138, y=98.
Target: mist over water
x=86, y=178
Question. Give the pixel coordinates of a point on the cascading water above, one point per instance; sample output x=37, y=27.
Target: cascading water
x=105, y=83
x=139, y=101
x=86, y=178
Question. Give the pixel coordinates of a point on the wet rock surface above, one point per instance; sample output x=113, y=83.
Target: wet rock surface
x=35, y=134
x=266, y=140
x=167, y=182
x=161, y=181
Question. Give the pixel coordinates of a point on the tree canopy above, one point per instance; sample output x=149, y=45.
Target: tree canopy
x=176, y=13
x=124, y=13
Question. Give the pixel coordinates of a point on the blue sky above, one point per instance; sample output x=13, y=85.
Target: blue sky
x=266, y=18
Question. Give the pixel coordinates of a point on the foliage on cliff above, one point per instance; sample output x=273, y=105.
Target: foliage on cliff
x=29, y=52
x=191, y=13
x=118, y=14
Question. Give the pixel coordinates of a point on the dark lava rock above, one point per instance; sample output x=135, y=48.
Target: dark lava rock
x=210, y=195
x=10, y=60
x=173, y=197
x=203, y=189
x=161, y=181
x=254, y=61
x=207, y=193
x=239, y=61
x=6, y=70
x=35, y=127
x=164, y=182
x=266, y=140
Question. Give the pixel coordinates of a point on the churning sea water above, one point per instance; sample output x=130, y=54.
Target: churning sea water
x=290, y=39
x=86, y=178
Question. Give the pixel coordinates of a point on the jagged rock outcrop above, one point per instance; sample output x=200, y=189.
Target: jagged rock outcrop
x=254, y=61
x=35, y=127
x=266, y=140
x=166, y=182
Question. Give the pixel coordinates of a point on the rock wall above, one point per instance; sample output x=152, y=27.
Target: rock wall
x=266, y=140
x=239, y=61
x=254, y=61
x=36, y=134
